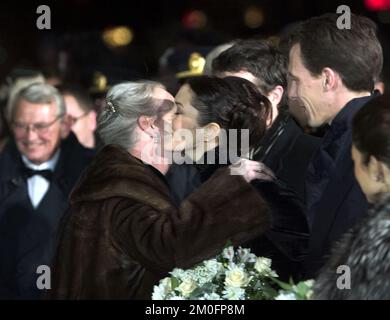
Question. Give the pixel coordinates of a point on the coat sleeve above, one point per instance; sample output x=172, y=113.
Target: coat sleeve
x=224, y=208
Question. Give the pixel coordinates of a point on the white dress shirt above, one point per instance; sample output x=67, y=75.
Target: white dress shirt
x=38, y=185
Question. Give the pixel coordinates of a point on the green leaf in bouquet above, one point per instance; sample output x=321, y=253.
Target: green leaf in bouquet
x=174, y=282
x=228, y=244
x=269, y=293
x=283, y=285
x=303, y=290
x=256, y=295
x=198, y=292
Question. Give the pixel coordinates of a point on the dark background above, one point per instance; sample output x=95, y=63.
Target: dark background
x=77, y=26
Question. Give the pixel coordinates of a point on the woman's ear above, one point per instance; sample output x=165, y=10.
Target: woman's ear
x=145, y=122
x=380, y=174
x=386, y=176
x=211, y=131
x=376, y=169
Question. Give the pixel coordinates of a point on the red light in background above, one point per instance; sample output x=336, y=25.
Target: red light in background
x=195, y=19
x=377, y=5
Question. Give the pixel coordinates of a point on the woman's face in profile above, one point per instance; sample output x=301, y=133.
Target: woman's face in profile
x=186, y=125
x=366, y=175
x=166, y=118
x=187, y=114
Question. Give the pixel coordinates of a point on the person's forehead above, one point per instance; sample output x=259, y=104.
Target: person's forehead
x=185, y=94
x=71, y=104
x=183, y=99
x=162, y=94
x=295, y=60
x=25, y=108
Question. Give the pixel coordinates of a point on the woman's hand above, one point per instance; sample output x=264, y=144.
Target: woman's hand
x=251, y=170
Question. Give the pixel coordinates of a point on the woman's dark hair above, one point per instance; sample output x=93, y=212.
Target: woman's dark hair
x=371, y=130
x=233, y=103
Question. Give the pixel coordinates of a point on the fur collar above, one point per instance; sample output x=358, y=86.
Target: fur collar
x=116, y=173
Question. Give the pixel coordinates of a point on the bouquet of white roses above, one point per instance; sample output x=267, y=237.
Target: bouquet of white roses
x=232, y=275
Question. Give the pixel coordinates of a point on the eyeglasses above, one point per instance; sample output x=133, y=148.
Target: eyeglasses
x=39, y=128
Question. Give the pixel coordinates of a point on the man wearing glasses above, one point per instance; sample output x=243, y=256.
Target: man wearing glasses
x=79, y=107
x=38, y=169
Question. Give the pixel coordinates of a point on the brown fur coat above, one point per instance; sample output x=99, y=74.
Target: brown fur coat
x=122, y=233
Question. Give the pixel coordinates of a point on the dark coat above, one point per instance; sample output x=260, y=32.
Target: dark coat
x=335, y=201
x=286, y=242
x=27, y=235
x=366, y=251
x=122, y=233
x=287, y=151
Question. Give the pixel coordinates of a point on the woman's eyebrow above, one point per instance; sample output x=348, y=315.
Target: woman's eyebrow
x=164, y=105
x=179, y=104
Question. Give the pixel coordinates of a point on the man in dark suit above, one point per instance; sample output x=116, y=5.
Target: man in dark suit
x=331, y=75
x=285, y=148
x=37, y=172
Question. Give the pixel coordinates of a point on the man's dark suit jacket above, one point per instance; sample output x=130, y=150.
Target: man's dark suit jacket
x=28, y=235
x=287, y=151
x=335, y=201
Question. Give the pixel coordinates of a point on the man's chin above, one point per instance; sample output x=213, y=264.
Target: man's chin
x=35, y=156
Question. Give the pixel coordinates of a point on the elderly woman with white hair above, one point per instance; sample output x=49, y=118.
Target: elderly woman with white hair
x=122, y=232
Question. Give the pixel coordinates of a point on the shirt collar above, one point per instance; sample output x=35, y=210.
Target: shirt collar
x=48, y=165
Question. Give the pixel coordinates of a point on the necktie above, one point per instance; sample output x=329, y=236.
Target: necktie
x=47, y=174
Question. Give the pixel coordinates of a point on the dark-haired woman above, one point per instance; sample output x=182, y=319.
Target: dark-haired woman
x=213, y=110
x=122, y=233
x=365, y=250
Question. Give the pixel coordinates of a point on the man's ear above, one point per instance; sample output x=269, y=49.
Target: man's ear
x=275, y=95
x=92, y=120
x=330, y=79
x=65, y=126
x=211, y=131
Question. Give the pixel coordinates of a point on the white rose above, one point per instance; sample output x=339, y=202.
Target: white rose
x=161, y=291
x=228, y=253
x=176, y=298
x=211, y=296
x=231, y=293
x=166, y=284
x=263, y=265
x=286, y=296
x=158, y=293
x=187, y=287
x=237, y=278
x=177, y=273
x=213, y=266
x=246, y=255
x=309, y=283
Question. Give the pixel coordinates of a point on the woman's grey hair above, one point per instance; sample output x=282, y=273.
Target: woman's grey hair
x=39, y=93
x=126, y=102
